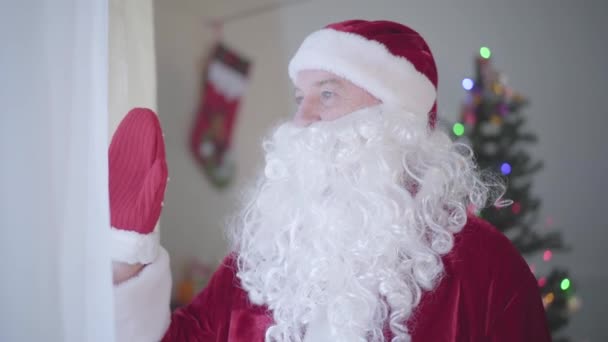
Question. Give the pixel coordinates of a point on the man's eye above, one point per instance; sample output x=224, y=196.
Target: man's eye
x=299, y=99
x=327, y=94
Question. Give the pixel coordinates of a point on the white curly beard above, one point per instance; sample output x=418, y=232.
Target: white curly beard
x=349, y=222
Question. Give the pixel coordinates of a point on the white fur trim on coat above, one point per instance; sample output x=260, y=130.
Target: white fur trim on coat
x=141, y=304
x=370, y=65
x=132, y=247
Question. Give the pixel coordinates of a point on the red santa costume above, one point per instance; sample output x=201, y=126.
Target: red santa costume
x=357, y=230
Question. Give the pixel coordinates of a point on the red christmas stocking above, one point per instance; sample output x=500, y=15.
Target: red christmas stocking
x=223, y=87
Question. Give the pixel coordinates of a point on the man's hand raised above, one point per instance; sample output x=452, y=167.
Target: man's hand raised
x=138, y=178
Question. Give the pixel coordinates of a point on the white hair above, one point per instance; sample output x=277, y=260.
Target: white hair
x=351, y=217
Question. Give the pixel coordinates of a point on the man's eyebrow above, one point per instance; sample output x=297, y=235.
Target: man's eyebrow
x=334, y=81
x=321, y=83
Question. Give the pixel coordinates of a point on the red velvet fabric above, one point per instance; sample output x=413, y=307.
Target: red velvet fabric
x=487, y=294
x=137, y=172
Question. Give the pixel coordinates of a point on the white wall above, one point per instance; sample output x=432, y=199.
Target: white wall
x=194, y=211
x=132, y=62
x=552, y=51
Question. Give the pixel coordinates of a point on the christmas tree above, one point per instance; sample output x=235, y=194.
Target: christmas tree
x=492, y=122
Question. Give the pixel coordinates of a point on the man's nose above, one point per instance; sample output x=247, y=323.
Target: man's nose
x=306, y=114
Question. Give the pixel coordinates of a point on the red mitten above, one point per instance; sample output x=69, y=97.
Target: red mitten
x=138, y=178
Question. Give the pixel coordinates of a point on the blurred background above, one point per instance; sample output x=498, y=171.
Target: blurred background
x=553, y=53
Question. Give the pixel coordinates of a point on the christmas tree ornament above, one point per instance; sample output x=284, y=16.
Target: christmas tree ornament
x=496, y=120
x=574, y=304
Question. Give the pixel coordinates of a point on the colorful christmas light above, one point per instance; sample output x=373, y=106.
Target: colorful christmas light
x=505, y=168
x=548, y=298
x=470, y=119
x=516, y=208
x=496, y=120
x=467, y=84
x=498, y=88
x=574, y=304
x=458, y=129
x=542, y=281
x=485, y=52
x=547, y=255
x=565, y=284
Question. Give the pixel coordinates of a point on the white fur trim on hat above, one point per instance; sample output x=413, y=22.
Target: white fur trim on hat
x=132, y=247
x=369, y=64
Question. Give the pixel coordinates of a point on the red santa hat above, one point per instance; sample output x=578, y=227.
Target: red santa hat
x=389, y=60
x=138, y=178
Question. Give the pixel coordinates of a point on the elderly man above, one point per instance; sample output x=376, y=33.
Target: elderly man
x=358, y=228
